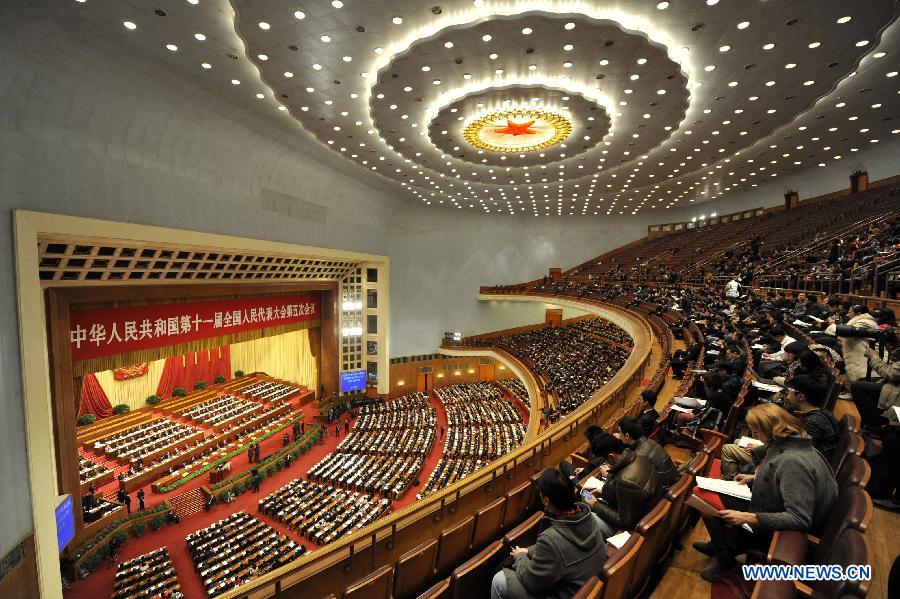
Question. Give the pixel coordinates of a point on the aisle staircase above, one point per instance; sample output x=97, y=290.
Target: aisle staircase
x=188, y=503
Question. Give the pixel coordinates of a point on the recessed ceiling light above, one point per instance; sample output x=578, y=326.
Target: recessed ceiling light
x=486, y=38
x=790, y=65
x=570, y=26
x=724, y=48
x=129, y=25
x=770, y=83
x=346, y=58
x=642, y=61
x=815, y=44
x=262, y=56
x=299, y=15
x=478, y=2
x=526, y=31
x=840, y=104
x=264, y=26
x=635, y=77
x=892, y=74
x=492, y=56
x=808, y=83
x=325, y=38
x=235, y=82
x=426, y=68
x=337, y=3
x=568, y=47
x=206, y=65
x=661, y=92
x=768, y=46
x=467, y=75
x=317, y=66
x=448, y=44
x=436, y=82
x=879, y=55
x=200, y=37
x=732, y=84
x=567, y=64
x=379, y=50
x=604, y=62
x=288, y=74
x=532, y=67
x=498, y=71
x=712, y=2
x=260, y=96
x=843, y=20
x=709, y=67
x=397, y=20
x=862, y=43
x=743, y=24
x=662, y=5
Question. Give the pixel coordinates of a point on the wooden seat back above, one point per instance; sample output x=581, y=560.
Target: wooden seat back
x=414, y=570
x=518, y=504
x=376, y=585
x=473, y=578
x=488, y=523
x=453, y=546
x=526, y=533
x=618, y=571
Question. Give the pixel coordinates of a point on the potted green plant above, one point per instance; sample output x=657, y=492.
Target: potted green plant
x=220, y=378
x=200, y=385
x=121, y=409
x=179, y=392
x=238, y=373
x=86, y=419
x=153, y=400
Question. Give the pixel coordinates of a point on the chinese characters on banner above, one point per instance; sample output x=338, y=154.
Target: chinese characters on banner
x=110, y=331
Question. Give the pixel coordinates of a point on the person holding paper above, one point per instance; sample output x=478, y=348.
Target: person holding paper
x=569, y=550
x=632, y=486
x=872, y=398
x=793, y=489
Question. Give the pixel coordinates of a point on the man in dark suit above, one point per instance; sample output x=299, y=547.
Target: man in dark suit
x=681, y=358
x=140, y=496
x=296, y=430
x=649, y=415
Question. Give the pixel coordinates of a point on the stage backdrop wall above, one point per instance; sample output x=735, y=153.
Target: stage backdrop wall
x=292, y=357
x=132, y=392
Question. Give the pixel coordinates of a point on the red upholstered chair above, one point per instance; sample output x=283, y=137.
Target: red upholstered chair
x=376, y=585
x=414, y=570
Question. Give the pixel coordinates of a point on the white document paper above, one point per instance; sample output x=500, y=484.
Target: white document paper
x=707, y=510
x=892, y=413
x=757, y=346
x=767, y=387
x=690, y=402
x=696, y=371
x=748, y=442
x=800, y=323
x=726, y=487
x=592, y=484
x=678, y=408
x=813, y=318
x=618, y=541
x=713, y=352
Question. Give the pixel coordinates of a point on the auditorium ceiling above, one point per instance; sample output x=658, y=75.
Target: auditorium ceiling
x=540, y=107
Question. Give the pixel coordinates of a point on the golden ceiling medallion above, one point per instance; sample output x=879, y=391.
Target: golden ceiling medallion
x=517, y=131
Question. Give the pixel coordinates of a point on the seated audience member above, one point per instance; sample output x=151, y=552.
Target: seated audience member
x=649, y=415
x=632, y=435
x=682, y=357
x=791, y=354
x=793, y=489
x=872, y=398
x=805, y=397
x=569, y=550
x=773, y=362
x=853, y=349
x=632, y=486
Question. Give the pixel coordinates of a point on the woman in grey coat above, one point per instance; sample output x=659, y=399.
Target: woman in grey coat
x=569, y=550
x=793, y=489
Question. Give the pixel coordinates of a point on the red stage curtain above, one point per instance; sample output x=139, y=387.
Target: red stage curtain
x=185, y=371
x=93, y=398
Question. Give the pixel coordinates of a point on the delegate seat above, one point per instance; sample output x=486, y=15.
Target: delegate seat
x=526, y=533
x=678, y=520
x=848, y=421
x=488, y=523
x=414, y=570
x=618, y=571
x=376, y=585
x=473, y=578
x=453, y=546
x=592, y=589
x=850, y=549
x=849, y=443
x=855, y=471
x=518, y=504
x=853, y=510
x=698, y=465
x=441, y=590
x=652, y=528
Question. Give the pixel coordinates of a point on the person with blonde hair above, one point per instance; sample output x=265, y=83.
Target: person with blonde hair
x=793, y=489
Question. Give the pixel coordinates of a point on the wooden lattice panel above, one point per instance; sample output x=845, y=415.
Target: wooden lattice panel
x=65, y=262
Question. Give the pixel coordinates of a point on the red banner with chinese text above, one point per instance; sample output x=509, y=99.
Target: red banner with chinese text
x=111, y=331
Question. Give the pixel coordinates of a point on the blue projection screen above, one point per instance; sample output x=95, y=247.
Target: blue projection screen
x=355, y=380
x=65, y=523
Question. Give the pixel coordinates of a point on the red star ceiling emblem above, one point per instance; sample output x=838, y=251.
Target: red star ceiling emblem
x=516, y=128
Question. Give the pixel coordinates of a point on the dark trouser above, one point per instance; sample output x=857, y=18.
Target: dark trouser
x=865, y=396
x=730, y=541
